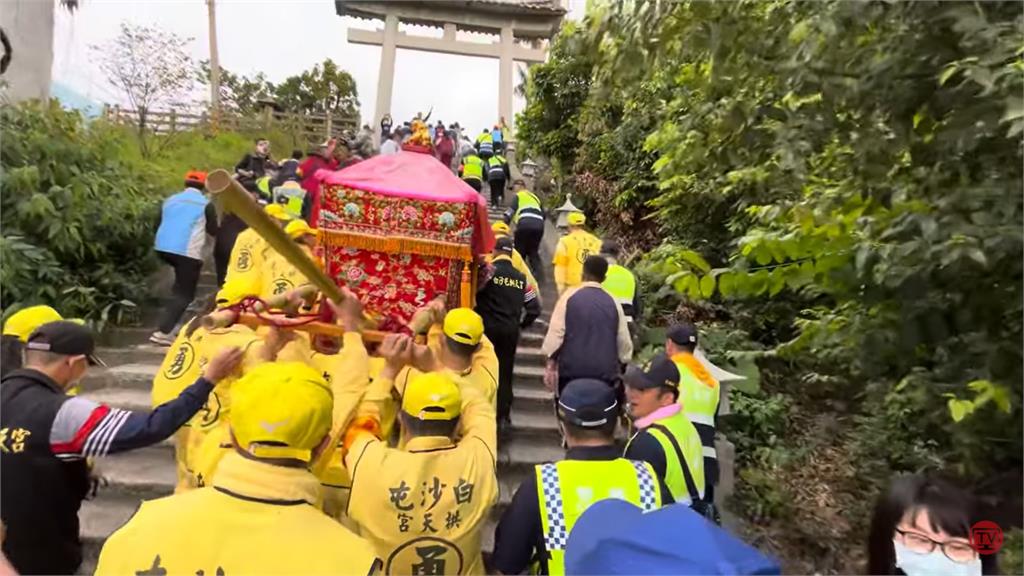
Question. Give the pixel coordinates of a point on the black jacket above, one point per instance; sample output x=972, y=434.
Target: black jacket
x=39, y=493
x=503, y=297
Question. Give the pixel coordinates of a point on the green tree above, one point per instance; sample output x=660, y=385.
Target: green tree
x=239, y=93
x=324, y=88
x=845, y=178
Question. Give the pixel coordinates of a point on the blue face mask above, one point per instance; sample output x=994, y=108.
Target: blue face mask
x=934, y=563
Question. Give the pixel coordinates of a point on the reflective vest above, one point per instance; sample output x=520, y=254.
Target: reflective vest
x=572, y=250
x=699, y=398
x=527, y=206
x=680, y=442
x=621, y=284
x=567, y=488
x=291, y=196
x=496, y=167
x=485, y=144
x=472, y=168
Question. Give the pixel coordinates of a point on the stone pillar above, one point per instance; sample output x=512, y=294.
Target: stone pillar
x=505, y=76
x=386, y=76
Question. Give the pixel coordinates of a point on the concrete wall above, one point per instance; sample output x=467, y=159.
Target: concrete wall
x=29, y=26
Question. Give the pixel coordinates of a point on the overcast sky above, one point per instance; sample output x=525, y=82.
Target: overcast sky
x=283, y=38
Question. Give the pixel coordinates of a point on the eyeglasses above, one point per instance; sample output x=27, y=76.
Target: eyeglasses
x=954, y=550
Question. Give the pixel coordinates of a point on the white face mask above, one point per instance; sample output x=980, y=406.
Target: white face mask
x=933, y=563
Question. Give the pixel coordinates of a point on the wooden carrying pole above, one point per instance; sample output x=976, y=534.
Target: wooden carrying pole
x=231, y=197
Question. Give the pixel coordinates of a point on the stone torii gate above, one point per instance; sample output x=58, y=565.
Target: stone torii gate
x=533, y=21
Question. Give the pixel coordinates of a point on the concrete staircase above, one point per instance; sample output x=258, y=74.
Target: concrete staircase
x=149, y=473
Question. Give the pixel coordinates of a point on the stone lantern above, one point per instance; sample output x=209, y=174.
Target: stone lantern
x=563, y=213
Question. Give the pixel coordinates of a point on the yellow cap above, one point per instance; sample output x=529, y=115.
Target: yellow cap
x=297, y=229
x=464, y=326
x=281, y=410
x=432, y=396
x=500, y=227
x=233, y=292
x=25, y=321
x=277, y=211
x=576, y=218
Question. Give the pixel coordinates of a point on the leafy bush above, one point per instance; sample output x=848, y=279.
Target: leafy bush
x=77, y=220
x=841, y=181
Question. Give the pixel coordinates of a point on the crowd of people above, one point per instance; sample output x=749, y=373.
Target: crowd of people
x=331, y=452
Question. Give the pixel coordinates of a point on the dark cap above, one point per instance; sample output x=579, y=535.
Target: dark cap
x=519, y=181
x=610, y=247
x=65, y=337
x=504, y=244
x=587, y=403
x=659, y=372
x=684, y=334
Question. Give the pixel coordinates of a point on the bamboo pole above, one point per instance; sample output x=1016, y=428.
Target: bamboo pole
x=231, y=197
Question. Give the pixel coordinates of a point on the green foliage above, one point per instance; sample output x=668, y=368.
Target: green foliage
x=323, y=88
x=77, y=221
x=555, y=90
x=851, y=176
x=238, y=93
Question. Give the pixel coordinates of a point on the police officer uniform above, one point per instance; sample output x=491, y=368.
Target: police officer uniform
x=485, y=144
x=501, y=302
x=621, y=283
x=699, y=395
x=472, y=171
x=527, y=214
x=666, y=439
x=535, y=527
x=497, y=176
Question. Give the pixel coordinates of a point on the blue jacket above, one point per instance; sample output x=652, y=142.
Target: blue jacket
x=182, y=228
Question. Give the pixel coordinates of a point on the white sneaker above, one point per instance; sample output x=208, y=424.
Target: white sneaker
x=160, y=338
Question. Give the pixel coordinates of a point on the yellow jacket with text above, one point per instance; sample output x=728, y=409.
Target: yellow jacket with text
x=348, y=373
x=255, y=519
x=571, y=252
x=279, y=276
x=208, y=438
x=423, y=508
x=245, y=265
